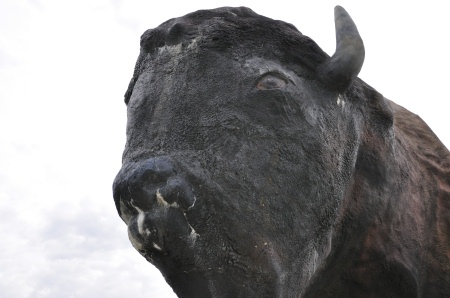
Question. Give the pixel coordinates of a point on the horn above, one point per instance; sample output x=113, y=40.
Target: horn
x=341, y=69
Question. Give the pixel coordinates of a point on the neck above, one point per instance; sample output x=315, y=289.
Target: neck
x=393, y=235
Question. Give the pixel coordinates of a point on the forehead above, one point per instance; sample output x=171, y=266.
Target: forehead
x=228, y=28
x=215, y=25
x=237, y=32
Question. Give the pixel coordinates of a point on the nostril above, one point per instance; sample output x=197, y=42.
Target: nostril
x=177, y=190
x=138, y=182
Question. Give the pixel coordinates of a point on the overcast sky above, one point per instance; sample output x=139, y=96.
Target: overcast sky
x=64, y=67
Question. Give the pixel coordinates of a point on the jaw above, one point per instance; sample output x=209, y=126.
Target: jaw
x=230, y=282
x=201, y=268
x=202, y=265
x=271, y=279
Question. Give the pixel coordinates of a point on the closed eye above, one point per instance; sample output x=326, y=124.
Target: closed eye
x=271, y=81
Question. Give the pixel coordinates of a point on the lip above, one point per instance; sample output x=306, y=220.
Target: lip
x=158, y=228
x=144, y=237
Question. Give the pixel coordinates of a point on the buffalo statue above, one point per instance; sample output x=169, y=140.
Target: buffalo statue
x=258, y=166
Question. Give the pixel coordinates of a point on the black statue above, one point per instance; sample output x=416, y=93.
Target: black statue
x=258, y=166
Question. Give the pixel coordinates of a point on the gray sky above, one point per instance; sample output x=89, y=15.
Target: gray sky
x=64, y=67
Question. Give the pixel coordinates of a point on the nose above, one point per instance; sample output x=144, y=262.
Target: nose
x=152, y=182
x=153, y=199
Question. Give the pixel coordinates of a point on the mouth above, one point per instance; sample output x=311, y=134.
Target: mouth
x=220, y=268
x=159, y=229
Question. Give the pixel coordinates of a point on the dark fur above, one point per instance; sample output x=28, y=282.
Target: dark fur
x=227, y=28
x=299, y=191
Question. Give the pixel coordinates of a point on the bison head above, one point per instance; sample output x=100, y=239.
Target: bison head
x=242, y=139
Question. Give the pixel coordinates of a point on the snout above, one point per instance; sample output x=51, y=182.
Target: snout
x=153, y=199
x=151, y=183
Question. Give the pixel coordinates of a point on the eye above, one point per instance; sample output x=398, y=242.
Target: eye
x=271, y=81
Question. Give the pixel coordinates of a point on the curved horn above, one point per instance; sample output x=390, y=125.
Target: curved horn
x=339, y=71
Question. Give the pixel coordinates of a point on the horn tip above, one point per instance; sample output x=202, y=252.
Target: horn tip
x=339, y=11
